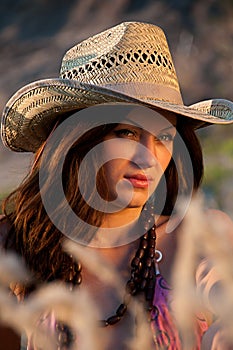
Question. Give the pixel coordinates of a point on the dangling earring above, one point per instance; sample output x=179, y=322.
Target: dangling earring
x=148, y=214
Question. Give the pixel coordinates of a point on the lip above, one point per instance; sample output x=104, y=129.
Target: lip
x=139, y=180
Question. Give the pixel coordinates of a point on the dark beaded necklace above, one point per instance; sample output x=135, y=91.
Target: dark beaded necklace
x=142, y=277
x=142, y=280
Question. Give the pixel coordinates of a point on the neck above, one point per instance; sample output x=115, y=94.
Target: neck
x=118, y=229
x=121, y=218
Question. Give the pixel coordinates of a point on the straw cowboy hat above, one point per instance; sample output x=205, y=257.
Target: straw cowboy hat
x=129, y=63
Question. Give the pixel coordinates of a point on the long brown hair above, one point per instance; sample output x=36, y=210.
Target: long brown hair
x=34, y=236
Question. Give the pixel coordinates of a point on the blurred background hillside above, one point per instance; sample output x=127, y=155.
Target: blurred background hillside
x=34, y=34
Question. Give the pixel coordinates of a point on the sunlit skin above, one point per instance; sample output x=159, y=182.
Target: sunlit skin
x=137, y=175
x=145, y=156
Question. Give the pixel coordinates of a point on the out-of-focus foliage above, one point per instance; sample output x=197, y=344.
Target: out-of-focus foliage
x=218, y=160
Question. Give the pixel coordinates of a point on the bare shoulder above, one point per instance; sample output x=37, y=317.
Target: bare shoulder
x=212, y=270
x=219, y=215
x=223, y=221
x=223, y=242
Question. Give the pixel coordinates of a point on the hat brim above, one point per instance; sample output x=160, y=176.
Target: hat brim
x=32, y=111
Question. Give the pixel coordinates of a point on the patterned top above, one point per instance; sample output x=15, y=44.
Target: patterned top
x=164, y=330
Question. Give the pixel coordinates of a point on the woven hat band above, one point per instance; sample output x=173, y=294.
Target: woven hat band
x=147, y=91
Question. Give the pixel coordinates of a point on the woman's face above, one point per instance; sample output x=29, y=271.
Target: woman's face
x=138, y=154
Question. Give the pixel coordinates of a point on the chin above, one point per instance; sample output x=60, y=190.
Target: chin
x=137, y=202
x=125, y=201
x=136, y=205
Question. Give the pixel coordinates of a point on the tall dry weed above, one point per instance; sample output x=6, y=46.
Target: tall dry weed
x=203, y=234
x=203, y=273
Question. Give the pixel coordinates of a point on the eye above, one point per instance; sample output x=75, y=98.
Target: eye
x=125, y=133
x=166, y=137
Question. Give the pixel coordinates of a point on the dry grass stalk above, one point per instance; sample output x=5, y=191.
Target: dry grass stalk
x=206, y=235
x=12, y=269
x=183, y=281
x=73, y=308
x=200, y=236
x=143, y=336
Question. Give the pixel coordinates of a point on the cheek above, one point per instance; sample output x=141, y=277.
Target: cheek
x=116, y=155
x=117, y=148
x=112, y=168
x=107, y=179
x=164, y=156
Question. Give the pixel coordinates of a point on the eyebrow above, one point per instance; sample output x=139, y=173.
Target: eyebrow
x=133, y=124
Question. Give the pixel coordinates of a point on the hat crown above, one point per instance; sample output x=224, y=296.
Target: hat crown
x=132, y=58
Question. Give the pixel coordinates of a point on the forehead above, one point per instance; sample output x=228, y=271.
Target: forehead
x=149, y=119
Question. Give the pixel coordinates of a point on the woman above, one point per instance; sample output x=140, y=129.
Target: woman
x=137, y=141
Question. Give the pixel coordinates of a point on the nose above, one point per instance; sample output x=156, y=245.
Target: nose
x=145, y=156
